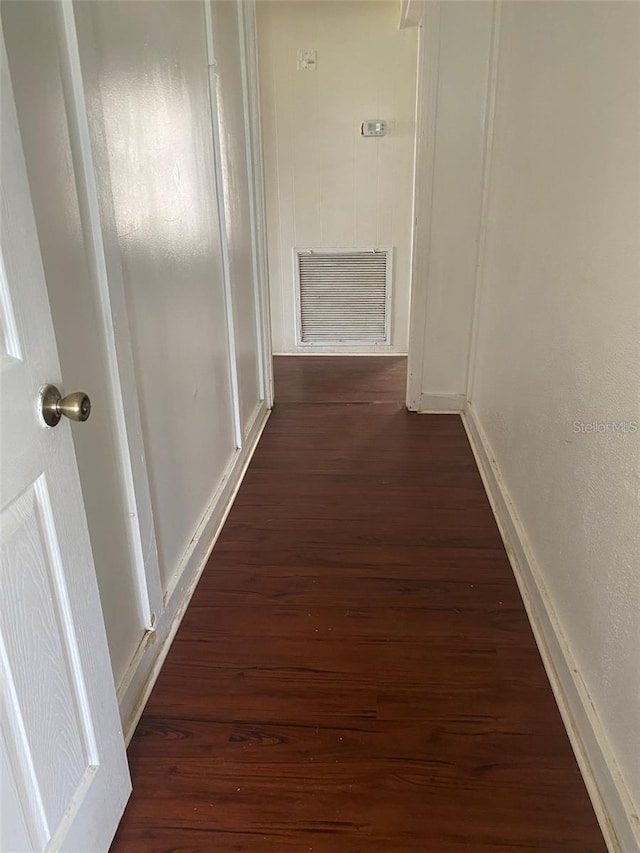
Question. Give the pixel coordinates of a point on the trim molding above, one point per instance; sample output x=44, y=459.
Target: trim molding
x=424, y=171
x=411, y=12
x=318, y=349
x=219, y=191
x=487, y=160
x=383, y=353
x=253, y=122
x=439, y=404
x=147, y=662
x=612, y=803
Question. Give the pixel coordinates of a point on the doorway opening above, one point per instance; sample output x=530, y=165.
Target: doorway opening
x=338, y=109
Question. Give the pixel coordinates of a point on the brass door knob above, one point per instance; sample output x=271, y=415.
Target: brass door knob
x=76, y=406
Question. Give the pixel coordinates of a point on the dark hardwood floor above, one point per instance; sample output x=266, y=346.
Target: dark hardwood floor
x=356, y=673
x=335, y=379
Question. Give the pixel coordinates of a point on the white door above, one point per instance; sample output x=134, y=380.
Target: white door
x=65, y=779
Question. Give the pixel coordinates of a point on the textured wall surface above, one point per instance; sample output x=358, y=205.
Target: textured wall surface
x=559, y=329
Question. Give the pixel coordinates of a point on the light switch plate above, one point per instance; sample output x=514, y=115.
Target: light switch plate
x=307, y=60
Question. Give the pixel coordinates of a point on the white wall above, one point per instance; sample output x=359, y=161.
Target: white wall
x=147, y=76
x=326, y=185
x=455, y=67
x=558, y=335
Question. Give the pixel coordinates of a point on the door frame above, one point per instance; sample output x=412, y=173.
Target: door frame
x=423, y=170
x=253, y=122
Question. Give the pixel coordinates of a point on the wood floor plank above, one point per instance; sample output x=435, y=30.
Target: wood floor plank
x=332, y=379
x=356, y=672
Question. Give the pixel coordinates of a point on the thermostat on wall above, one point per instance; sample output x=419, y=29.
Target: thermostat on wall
x=373, y=127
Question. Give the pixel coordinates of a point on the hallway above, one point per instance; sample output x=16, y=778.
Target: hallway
x=356, y=671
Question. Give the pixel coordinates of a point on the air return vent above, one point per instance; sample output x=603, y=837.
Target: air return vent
x=343, y=296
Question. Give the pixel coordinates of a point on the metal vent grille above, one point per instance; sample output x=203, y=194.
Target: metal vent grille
x=343, y=296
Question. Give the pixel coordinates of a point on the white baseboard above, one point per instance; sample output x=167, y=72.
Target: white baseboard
x=319, y=350
x=143, y=671
x=252, y=420
x=611, y=800
x=439, y=404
